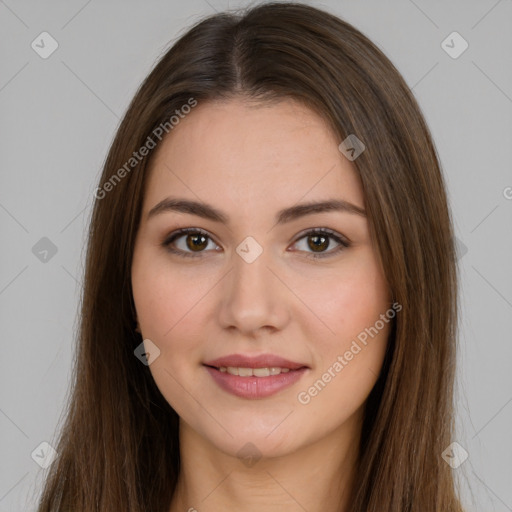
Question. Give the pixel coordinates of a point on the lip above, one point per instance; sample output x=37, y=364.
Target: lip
x=255, y=387
x=259, y=361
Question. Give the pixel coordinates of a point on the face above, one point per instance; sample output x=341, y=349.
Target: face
x=305, y=286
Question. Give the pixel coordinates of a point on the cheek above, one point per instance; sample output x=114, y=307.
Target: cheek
x=168, y=301
x=345, y=304
x=349, y=358
x=169, y=307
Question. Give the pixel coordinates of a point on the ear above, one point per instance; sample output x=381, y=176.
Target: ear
x=137, y=328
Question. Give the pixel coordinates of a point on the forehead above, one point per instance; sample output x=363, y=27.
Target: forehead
x=253, y=155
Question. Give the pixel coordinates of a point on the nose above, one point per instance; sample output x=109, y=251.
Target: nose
x=254, y=297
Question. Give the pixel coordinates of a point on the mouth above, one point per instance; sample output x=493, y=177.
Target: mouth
x=260, y=372
x=259, y=362
x=255, y=377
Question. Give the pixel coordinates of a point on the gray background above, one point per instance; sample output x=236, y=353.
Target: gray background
x=58, y=117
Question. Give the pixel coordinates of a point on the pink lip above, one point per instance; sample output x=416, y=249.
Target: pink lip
x=261, y=361
x=255, y=387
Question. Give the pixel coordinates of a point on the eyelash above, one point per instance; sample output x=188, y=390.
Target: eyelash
x=344, y=243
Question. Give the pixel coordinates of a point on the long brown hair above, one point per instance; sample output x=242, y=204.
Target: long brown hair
x=119, y=445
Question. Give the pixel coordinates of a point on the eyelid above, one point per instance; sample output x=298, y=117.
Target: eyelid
x=174, y=235
x=343, y=241
x=325, y=231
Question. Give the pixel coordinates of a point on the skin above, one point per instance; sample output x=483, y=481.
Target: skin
x=249, y=161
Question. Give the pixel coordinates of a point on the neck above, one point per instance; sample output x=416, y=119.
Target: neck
x=317, y=477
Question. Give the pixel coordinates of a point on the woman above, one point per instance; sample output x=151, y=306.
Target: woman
x=269, y=307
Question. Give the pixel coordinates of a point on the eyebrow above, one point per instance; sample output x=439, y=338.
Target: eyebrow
x=209, y=212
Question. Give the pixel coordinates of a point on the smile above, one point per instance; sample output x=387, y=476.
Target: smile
x=256, y=372
x=254, y=383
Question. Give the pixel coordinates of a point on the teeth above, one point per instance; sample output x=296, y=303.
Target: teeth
x=250, y=372
x=244, y=372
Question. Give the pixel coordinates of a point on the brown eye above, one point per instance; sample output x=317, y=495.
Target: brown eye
x=318, y=243
x=196, y=241
x=319, y=240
